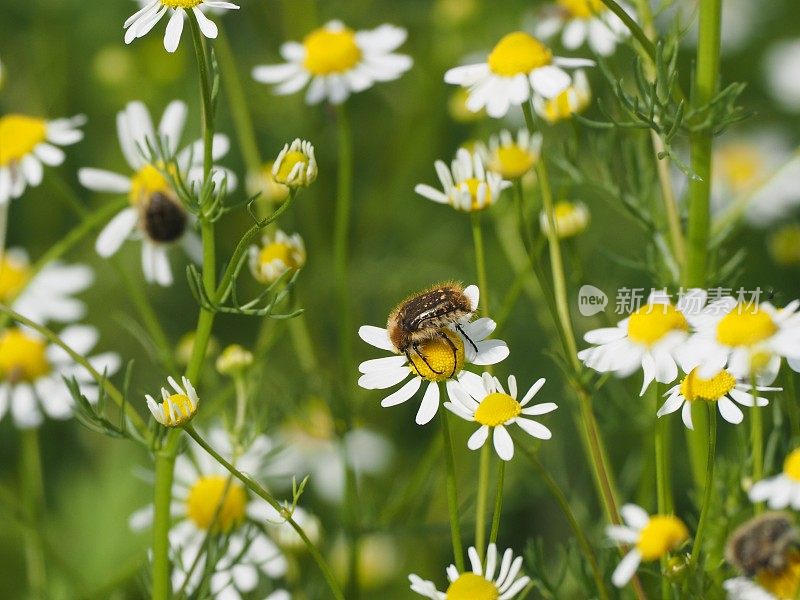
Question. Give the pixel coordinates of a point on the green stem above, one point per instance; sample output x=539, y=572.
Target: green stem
x=757, y=443
x=483, y=499
x=662, y=481
x=3, y=228
x=709, y=486
x=241, y=404
x=790, y=398
x=205, y=93
x=634, y=28
x=164, y=467
x=498, y=502
x=32, y=493
x=452, y=493
x=480, y=262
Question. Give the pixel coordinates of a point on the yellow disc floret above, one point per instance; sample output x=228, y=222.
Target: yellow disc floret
x=22, y=357
x=292, y=158
x=582, y=9
x=652, y=322
x=791, y=466
x=497, y=408
x=784, y=584
x=517, y=53
x=214, y=495
x=512, y=161
x=472, y=185
x=745, y=325
x=14, y=275
x=181, y=3
x=740, y=164
x=279, y=251
x=693, y=387
x=444, y=357
x=179, y=409
x=662, y=534
x=470, y=586
x=19, y=135
x=146, y=182
x=329, y=51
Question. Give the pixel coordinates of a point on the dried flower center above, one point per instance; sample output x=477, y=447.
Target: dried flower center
x=783, y=584
x=278, y=251
x=212, y=496
x=582, y=9
x=470, y=586
x=694, y=388
x=518, y=52
x=791, y=466
x=740, y=164
x=14, y=275
x=181, y=3
x=444, y=357
x=662, y=534
x=652, y=322
x=331, y=51
x=513, y=161
x=22, y=358
x=146, y=182
x=745, y=325
x=19, y=135
x=497, y=408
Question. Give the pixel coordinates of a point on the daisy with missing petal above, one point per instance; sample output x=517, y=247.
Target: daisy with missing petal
x=46, y=295
x=782, y=490
x=511, y=158
x=467, y=185
x=489, y=405
x=651, y=537
x=337, y=62
x=439, y=359
x=480, y=583
x=156, y=215
x=207, y=501
x=276, y=255
x=722, y=388
x=142, y=21
x=518, y=66
x=177, y=407
x=648, y=339
x=572, y=101
x=582, y=21
x=29, y=143
x=32, y=372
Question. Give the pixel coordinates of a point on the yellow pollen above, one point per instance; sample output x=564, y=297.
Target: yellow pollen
x=278, y=251
x=512, y=161
x=472, y=184
x=662, y=534
x=22, y=358
x=740, y=164
x=582, y=9
x=784, y=585
x=13, y=277
x=652, y=322
x=470, y=586
x=694, y=388
x=791, y=466
x=181, y=3
x=518, y=52
x=497, y=408
x=146, y=182
x=442, y=362
x=331, y=51
x=205, y=501
x=19, y=135
x=745, y=325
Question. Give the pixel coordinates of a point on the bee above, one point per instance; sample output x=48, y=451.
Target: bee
x=163, y=218
x=423, y=317
x=763, y=543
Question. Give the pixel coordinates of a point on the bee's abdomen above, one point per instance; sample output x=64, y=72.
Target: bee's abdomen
x=164, y=219
x=435, y=309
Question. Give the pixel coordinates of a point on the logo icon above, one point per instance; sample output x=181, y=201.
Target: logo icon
x=591, y=300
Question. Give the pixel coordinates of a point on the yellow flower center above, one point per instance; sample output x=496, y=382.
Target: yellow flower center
x=694, y=388
x=292, y=158
x=19, y=135
x=745, y=325
x=183, y=406
x=331, y=51
x=22, y=358
x=146, y=182
x=791, y=466
x=662, y=534
x=652, y=322
x=278, y=251
x=518, y=52
x=181, y=3
x=740, y=164
x=784, y=245
x=443, y=358
x=13, y=277
x=512, y=161
x=470, y=586
x=784, y=585
x=582, y=9
x=496, y=409
x=472, y=184
x=205, y=501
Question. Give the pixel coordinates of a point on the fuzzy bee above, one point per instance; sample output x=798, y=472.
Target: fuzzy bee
x=763, y=543
x=424, y=316
x=163, y=218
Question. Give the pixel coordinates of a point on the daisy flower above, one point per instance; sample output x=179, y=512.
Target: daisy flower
x=46, y=295
x=467, y=185
x=582, y=21
x=32, y=372
x=742, y=588
x=296, y=165
x=337, y=62
x=439, y=360
x=484, y=401
x=480, y=583
x=572, y=219
x=155, y=216
x=202, y=490
x=573, y=100
x=511, y=158
x=177, y=407
x=142, y=21
x=276, y=255
x=782, y=490
x=517, y=66
x=28, y=144
x=651, y=537
x=722, y=388
x=648, y=338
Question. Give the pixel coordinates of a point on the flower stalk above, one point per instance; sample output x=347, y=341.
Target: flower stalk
x=498, y=502
x=452, y=493
x=32, y=496
x=483, y=500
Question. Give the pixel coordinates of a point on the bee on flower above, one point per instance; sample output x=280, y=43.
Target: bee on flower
x=572, y=101
x=585, y=21
x=571, y=219
x=511, y=158
x=177, y=407
x=277, y=254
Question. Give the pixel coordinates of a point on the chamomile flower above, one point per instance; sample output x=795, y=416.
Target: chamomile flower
x=721, y=388
x=276, y=255
x=177, y=406
x=142, y=21
x=511, y=158
x=296, y=165
x=336, y=61
x=571, y=218
x=518, y=66
x=781, y=490
x=648, y=338
x=573, y=100
x=742, y=588
x=484, y=401
x=46, y=295
x=32, y=372
x=207, y=501
x=29, y=144
x=782, y=73
x=585, y=21
x=467, y=185
x=777, y=196
x=651, y=537
x=155, y=216
x=480, y=583
x=439, y=359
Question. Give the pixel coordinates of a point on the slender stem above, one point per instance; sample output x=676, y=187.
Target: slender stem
x=483, y=500
x=709, y=486
x=165, y=466
x=480, y=262
x=662, y=480
x=452, y=493
x=398, y=507
x=32, y=496
x=633, y=26
x=241, y=404
x=3, y=229
x=498, y=502
x=757, y=442
x=790, y=398
x=205, y=93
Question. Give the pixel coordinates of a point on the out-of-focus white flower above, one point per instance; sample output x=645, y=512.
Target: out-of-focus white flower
x=571, y=218
x=782, y=73
x=573, y=100
x=276, y=255
x=582, y=21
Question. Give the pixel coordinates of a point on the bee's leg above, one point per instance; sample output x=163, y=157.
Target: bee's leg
x=415, y=346
x=454, y=349
x=412, y=363
x=464, y=333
